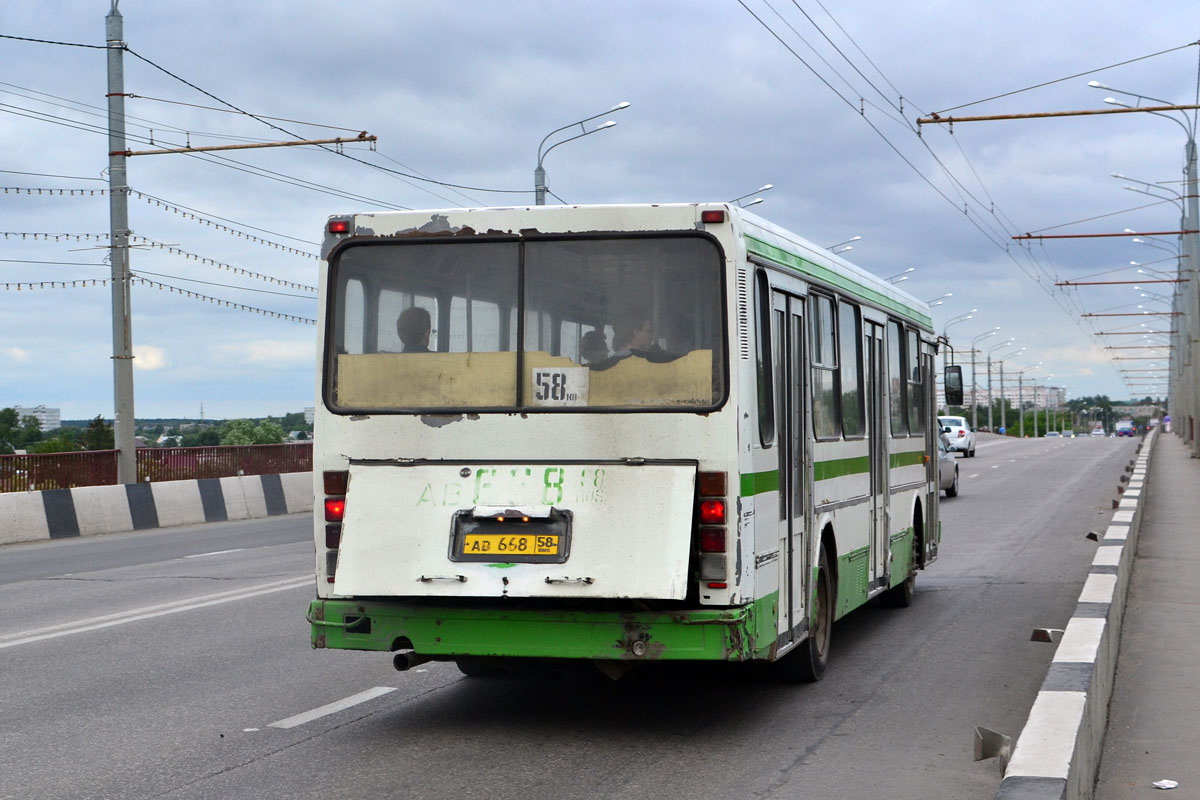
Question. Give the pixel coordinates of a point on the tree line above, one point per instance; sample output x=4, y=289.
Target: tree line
x=25, y=433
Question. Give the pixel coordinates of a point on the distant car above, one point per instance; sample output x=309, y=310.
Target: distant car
x=1098, y=432
x=1069, y=434
x=947, y=468
x=959, y=436
x=1051, y=433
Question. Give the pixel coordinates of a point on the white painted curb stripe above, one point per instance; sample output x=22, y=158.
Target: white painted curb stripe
x=1048, y=741
x=332, y=708
x=1081, y=640
x=1098, y=589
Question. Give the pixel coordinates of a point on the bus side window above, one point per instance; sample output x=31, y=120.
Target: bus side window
x=850, y=368
x=763, y=358
x=896, y=381
x=916, y=394
x=824, y=369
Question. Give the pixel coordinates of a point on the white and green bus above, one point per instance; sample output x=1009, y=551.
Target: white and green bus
x=617, y=434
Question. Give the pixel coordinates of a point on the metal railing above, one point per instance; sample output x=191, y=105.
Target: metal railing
x=21, y=473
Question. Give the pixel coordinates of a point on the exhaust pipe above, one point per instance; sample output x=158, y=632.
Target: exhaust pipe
x=406, y=661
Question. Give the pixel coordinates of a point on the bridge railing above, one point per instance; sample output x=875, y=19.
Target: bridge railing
x=36, y=471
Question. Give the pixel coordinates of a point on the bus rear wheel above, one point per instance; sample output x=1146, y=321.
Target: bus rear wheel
x=807, y=662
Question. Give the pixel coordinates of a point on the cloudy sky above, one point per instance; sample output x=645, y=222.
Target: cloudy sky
x=725, y=96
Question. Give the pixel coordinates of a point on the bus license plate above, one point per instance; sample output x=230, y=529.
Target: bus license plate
x=505, y=545
x=544, y=540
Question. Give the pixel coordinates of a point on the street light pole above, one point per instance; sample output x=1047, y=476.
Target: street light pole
x=539, y=172
x=989, y=365
x=945, y=354
x=974, y=381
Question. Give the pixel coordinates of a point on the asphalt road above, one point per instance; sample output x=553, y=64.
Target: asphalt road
x=176, y=664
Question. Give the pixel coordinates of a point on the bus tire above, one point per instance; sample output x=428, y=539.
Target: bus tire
x=807, y=662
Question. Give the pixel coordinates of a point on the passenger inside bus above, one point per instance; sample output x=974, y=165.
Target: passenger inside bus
x=413, y=326
x=593, y=348
x=633, y=335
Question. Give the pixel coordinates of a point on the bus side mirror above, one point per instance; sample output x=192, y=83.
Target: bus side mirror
x=954, y=385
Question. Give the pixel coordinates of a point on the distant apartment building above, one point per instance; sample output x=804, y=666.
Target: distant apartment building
x=308, y=415
x=49, y=419
x=1027, y=395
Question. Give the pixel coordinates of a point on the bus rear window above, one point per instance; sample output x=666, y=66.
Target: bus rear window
x=613, y=323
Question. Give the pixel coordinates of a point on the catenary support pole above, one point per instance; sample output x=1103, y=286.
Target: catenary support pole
x=118, y=211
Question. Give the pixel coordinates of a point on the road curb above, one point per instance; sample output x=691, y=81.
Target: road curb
x=1057, y=755
x=92, y=510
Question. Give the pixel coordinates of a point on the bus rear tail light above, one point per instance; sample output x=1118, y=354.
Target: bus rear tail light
x=712, y=534
x=712, y=512
x=335, y=483
x=335, y=509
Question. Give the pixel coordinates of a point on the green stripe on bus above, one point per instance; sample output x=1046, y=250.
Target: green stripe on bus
x=785, y=259
x=907, y=459
x=758, y=482
x=840, y=467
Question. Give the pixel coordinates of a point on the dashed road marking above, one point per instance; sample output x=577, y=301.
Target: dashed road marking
x=333, y=708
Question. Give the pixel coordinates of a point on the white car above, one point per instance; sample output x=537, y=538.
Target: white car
x=959, y=436
x=1098, y=432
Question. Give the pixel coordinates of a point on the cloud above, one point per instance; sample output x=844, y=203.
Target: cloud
x=14, y=354
x=270, y=353
x=149, y=358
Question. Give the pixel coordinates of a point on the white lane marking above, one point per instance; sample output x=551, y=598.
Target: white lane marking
x=149, y=612
x=216, y=553
x=995, y=466
x=975, y=475
x=332, y=708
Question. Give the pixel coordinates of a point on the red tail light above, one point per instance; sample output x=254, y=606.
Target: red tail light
x=961, y=434
x=712, y=512
x=712, y=535
x=335, y=509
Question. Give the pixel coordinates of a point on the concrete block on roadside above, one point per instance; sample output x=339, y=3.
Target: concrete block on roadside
x=101, y=509
x=256, y=500
x=22, y=517
x=235, y=498
x=297, y=491
x=177, y=503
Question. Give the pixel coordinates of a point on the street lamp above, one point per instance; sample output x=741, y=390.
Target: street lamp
x=844, y=249
x=1021, y=399
x=992, y=349
x=974, y=382
x=900, y=276
x=946, y=353
x=765, y=187
x=539, y=173
x=937, y=300
x=848, y=241
x=1003, y=398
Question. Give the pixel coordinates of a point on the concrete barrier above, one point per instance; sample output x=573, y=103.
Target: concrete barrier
x=1057, y=755
x=91, y=510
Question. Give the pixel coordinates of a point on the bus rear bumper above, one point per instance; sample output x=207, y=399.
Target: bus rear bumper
x=442, y=632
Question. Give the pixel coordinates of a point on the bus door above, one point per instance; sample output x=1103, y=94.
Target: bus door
x=787, y=333
x=932, y=432
x=875, y=363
